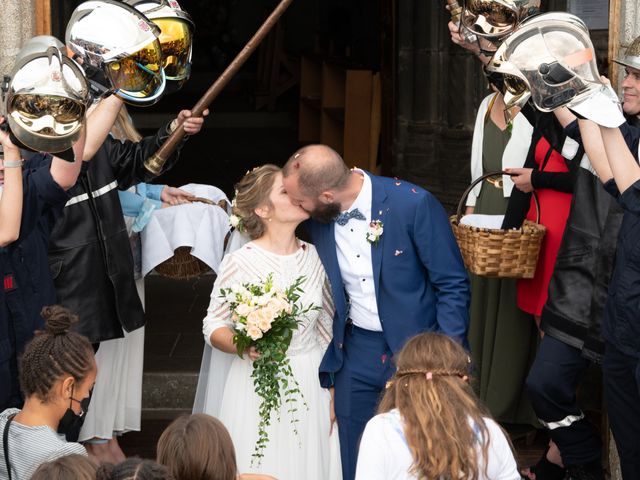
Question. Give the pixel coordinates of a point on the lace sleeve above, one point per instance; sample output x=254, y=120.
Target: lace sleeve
x=218, y=314
x=325, y=319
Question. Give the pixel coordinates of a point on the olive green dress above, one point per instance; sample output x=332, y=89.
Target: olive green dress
x=503, y=339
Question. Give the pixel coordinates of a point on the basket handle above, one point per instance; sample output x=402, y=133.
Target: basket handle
x=462, y=201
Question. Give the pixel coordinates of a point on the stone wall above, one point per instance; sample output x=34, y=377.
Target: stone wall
x=17, y=24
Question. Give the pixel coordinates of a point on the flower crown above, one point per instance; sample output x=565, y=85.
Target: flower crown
x=429, y=375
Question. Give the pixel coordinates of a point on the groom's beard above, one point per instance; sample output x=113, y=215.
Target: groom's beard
x=326, y=213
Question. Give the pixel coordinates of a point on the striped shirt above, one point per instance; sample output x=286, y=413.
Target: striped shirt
x=29, y=447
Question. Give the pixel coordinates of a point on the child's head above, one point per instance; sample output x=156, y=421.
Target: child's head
x=70, y=467
x=58, y=366
x=198, y=446
x=134, y=469
x=431, y=390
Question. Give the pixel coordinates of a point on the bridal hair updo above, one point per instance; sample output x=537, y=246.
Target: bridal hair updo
x=442, y=416
x=253, y=192
x=198, y=446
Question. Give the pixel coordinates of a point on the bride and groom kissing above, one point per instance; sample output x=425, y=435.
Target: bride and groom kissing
x=382, y=267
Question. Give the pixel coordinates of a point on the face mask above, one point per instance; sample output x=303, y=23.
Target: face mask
x=71, y=422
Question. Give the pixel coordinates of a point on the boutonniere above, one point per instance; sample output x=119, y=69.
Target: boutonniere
x=374, y=232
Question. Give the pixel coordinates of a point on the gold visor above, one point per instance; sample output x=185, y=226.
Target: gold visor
x=176, y=40
x=47, y=114
x=489, y=18
x=138, y=74
x=514, y=85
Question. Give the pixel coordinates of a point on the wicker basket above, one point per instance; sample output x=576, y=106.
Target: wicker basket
x=496, y=252
x=182, y=265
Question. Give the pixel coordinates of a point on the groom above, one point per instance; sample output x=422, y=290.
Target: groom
x=395, y=271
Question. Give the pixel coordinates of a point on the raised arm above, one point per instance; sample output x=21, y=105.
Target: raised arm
x=564, y=116
x=66, y=173
x=594, y=148
x=623, y=165
x=100, y=119
x=11, y=196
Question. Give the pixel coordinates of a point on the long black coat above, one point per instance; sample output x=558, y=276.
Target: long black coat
x=580, y=282
x=89, y=253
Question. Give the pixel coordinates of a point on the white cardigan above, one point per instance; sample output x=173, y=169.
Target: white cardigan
x=515, y=152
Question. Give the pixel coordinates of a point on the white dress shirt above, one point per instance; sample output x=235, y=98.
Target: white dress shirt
x=354, y=258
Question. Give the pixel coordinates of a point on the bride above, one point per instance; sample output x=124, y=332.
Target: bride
x=225, y=386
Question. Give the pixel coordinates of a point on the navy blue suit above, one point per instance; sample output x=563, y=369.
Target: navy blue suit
x=421, y=285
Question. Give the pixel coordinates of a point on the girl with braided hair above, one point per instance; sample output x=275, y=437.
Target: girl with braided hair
x=430, y=423
x=57, y=372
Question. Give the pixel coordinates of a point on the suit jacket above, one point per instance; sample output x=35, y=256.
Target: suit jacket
x=420, y=280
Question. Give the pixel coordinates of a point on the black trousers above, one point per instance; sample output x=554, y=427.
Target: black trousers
x=622, y=394
x=552, y=382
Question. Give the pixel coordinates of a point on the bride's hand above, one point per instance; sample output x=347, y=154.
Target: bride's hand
x=332, y=410
x=253, y=353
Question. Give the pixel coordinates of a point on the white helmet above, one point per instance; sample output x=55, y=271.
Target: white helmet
x=119, y=49
x=46, y=96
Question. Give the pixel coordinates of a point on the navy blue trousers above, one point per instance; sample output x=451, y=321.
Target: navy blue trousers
x=552, y=382
x=622, y=394
x=358, y=387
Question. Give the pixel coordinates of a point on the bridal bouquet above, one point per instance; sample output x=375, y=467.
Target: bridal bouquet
x=265, y=316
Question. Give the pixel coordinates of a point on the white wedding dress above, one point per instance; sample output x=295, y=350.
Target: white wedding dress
x=225, y=387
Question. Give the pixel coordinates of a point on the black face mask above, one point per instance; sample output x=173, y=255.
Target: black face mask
x=71, y=422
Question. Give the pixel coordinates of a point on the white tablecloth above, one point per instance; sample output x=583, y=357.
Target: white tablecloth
x=197, y=225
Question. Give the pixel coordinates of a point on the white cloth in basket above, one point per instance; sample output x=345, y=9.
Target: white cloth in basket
x=197, y=225
x=482, y=221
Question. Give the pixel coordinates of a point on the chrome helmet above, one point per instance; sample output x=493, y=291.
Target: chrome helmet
x=631, y=56
x=550, y=59
x=176, y=36
x=494, y=19
x=46, y=96
x=119, y=49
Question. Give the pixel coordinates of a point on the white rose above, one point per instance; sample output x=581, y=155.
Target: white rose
x=262, y=300
x=254, y=332
x=234, y=221
x=263, y=319
x=244, y=310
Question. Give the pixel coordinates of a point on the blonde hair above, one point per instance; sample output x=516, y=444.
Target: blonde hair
x=123, y=128
x=253, y=192
x=197, y=446
x=443, y=420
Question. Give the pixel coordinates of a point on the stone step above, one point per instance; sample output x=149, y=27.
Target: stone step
x=168, y=394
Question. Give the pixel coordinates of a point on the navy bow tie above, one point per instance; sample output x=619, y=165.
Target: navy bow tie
x=344, y=218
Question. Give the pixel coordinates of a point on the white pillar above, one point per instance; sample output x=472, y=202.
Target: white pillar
x=17, y=25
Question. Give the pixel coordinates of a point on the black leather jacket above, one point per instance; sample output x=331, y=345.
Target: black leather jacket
x=89, y=253
x=580, y=283
x=578, y=287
